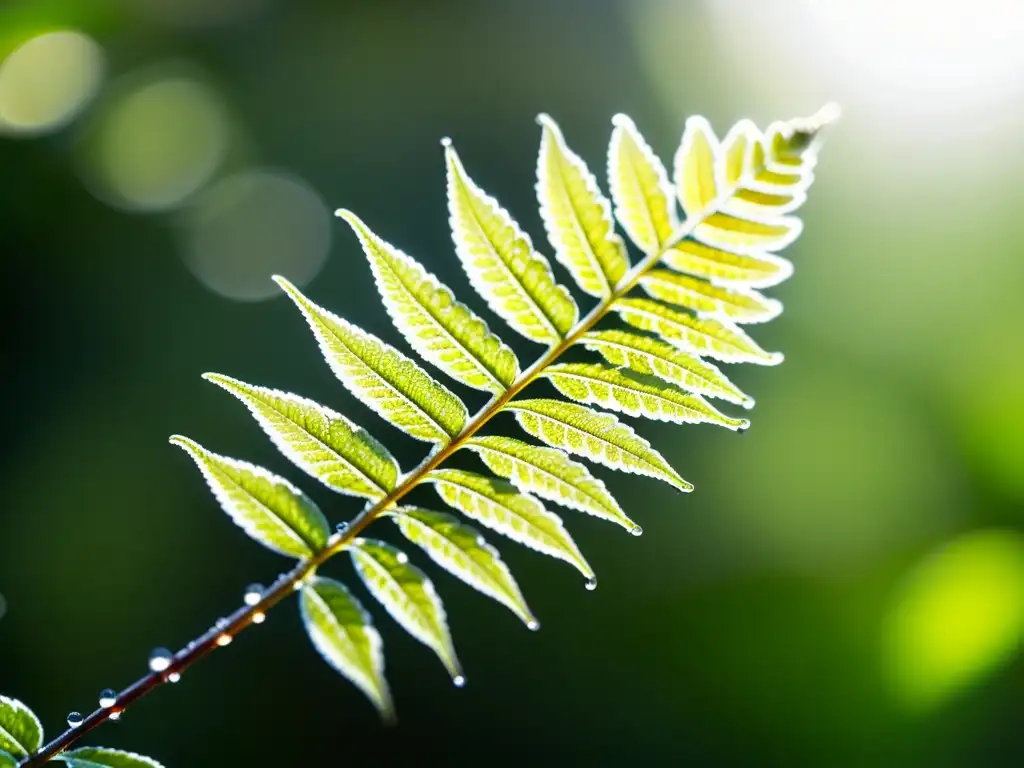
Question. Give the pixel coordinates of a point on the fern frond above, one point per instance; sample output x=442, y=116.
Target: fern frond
x=408, y=595
x=322, y=443
x=498, y=505
x=387, y=381
x=577, y=216
x=267, y=507
x=343, y=632
x=635, y=394
x=600, y=437
x=464, y=553
x=502, y=266
x=550, y=474
x=644, y=354
x=442, y=330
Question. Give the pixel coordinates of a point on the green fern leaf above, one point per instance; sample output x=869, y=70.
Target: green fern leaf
x=740, y=305
x=21, y=733
x=408, y=595
x=577, y=216
x=752, y=198
x=267, y=507
x=343, y=633
x=550, y=474
x=643, y=198
x=502, y=266
x=725, y=230
x=711, y=338
x=442, y=330
x=387, y=381
x=463, y=552
x=600, y=437
x=732, y=267
x=696, y=172
x=635, y=394
x=644, y=354
x=498, y=505
x=8, y=760
x=320, y=442
x=101, y=757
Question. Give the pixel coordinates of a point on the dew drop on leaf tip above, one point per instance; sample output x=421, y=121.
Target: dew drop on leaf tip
x=253, y=594
x=160, y=659
x=591, y=583
x=75, y=719
x=459, y=680
x=533, y=625
x=636, y=530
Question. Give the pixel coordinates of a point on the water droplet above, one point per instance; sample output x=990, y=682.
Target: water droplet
x=636, y=530
x=259, y=617
x=108, y=698
x=223, y=640
x=160, y=659
x=75, y=719
x=459, y=681
x=533, y=625
x=174, y=677
x=115, y=715
x=341, y=527
x=253, y=594
x=402, y=558
x=591, y=583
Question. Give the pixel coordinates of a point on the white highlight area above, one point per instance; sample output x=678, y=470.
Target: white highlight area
x=252, y=225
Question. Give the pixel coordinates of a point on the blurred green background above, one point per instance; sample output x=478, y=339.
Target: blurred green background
x=844, y=588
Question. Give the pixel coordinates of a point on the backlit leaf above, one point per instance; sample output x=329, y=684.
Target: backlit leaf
x=462, y=551
x=502, y=266
x=644, y=202
x=550, y=474
x=408, y=595
x=644, y=354
x=343, y=633
x=725, y=266
x=267, y=507
x=710, y=338
x=696, y=167
x=635, y=394
x=7, y=760
x=498, y=505
x=740, y=305
x=726, y=230
x=600, y=437
x=442, y=330
x=577, y=216
x=21, y=733
x=387, y=381
x=101, y=757
x=321, y=442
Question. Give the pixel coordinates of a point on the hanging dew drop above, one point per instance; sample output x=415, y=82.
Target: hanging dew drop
x=160, y=659
x=459, y=681
x=115, y=715
x=108, y=698
x=636, y=530
x=253, y=594
x=174, y=677
x=591, y=584
x=533, y=625
x=259, y=617
x=224, y=639
x=75, y=719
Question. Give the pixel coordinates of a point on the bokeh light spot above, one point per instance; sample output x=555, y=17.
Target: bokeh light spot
x=958, y=617
x=46, y=81
x=253, y=225
x=158, y=143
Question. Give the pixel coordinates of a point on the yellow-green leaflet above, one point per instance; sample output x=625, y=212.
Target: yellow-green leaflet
x=7, y=760
x=550, y=474
x=696, y=175
x=319, y=441
x=740, y=305
x=442, y=330
x=727, y=267
x=385, y=380
x=635, y=394
x=710, y=338
x=408, y=595
x=267, y=507
x=462, y=551
x=502, y=266
x=498, y=505
x=343, y=633
x=599, y=437
x=577, y=216
x=101, y=757
x=644, y=203
x=725, y=230
x=21, y=733
x=644, y=354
